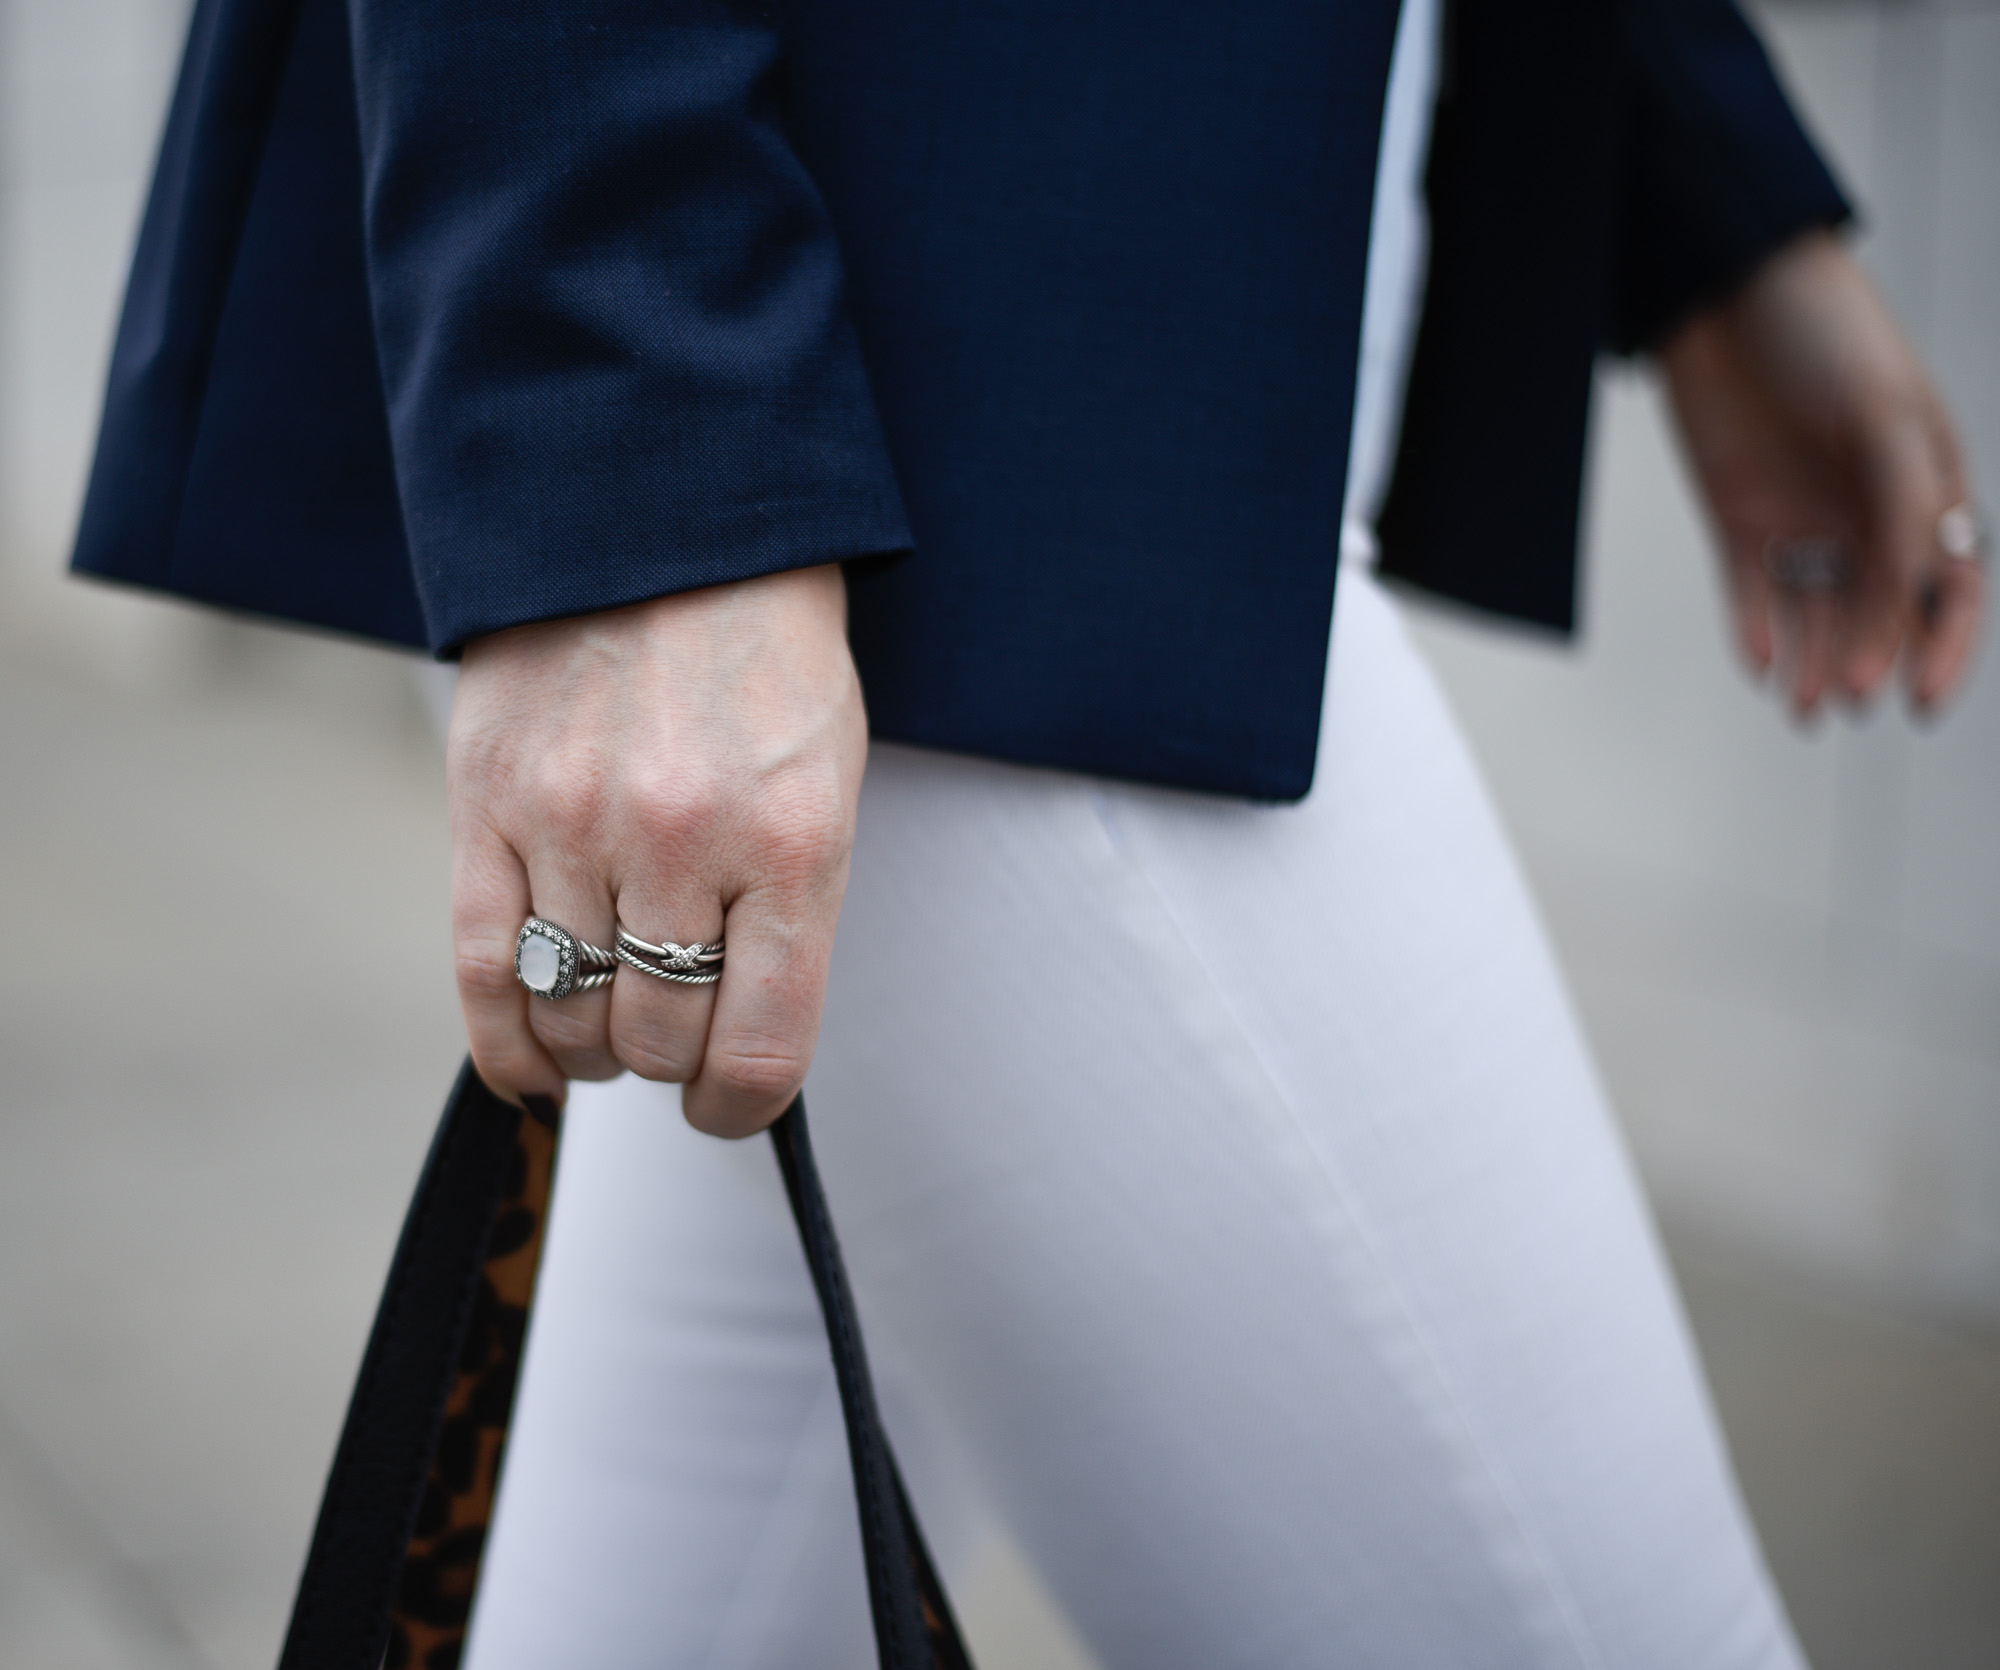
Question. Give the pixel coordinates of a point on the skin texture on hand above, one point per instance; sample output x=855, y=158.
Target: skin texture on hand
x=688, y=767
x=1806, y=415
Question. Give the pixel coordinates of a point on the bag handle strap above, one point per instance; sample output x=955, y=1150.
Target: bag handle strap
x=914, y=1628
x=394, y=1562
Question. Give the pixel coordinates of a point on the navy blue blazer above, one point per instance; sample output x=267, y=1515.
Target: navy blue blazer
x=451, y=316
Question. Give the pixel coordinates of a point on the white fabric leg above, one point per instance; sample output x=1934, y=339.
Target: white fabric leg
x=677, y=1463
x=676, y=1489
x=1231, y=1182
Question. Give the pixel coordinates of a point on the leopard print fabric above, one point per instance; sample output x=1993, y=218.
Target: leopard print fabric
x=441, y=1566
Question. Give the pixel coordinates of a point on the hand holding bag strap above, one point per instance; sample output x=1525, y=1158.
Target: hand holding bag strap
x=390, y=1576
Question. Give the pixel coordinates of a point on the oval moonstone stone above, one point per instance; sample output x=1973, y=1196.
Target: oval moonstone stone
x=541, y=962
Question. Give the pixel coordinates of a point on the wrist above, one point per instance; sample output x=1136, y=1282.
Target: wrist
x=812, y=601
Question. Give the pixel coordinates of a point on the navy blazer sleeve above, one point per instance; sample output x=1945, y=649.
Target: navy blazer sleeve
x=1598, y=173
x=607, y=301
x=1718, y=173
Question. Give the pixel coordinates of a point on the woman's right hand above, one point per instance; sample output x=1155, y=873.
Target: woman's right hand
x=688, y=767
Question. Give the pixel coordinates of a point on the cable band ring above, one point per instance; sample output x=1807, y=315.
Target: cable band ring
x=697, y=964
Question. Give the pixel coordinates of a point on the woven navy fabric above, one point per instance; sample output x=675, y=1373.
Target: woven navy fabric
x=455, y=315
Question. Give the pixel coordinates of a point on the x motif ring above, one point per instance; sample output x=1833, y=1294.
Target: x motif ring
x=684, y=965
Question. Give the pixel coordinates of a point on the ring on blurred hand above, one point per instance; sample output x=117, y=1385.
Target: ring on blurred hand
x=1815, y=563
x=1960, y=534
x=547, y=960
x=685, y=965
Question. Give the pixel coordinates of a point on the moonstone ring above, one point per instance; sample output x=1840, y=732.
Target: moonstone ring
x=552, y=962
x=1959, y=534
x=684, y=965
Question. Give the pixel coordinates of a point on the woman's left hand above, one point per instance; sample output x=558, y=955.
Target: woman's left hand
x=1833, y=473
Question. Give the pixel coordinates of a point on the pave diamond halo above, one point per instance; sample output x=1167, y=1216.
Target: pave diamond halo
x=552, y=962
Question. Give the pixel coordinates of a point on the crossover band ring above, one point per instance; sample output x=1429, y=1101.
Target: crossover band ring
x=684, y=965
x=552, y=962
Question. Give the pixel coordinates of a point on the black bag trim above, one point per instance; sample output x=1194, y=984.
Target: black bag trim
x=341, y=1617
x=914, y=1627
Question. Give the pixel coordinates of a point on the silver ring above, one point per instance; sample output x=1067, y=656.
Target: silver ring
x=552, y=962
x=684, y=965
x=1960, y=534
x=1813, y=564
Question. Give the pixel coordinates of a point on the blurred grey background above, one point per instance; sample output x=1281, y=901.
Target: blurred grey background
x=1785, y=947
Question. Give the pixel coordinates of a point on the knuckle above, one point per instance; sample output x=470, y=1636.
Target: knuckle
x=730, y=1123
x=566, y=1033
x=571, y=796
x=599, y=1068
x=674, y=814
x=485, y=969
x=750, y=1075
x=802, y=836
x=662, y=1064
x=508, y=1069
x=586, y=1063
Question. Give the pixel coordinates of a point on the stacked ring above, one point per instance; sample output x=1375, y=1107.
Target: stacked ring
x=684, y=965
x=552, y=962
x=1961, y=534
x=1814, y=564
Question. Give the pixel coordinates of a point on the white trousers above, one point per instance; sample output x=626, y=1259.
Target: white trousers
x=1234, y=1216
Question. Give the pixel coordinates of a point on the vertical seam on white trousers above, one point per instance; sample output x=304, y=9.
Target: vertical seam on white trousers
x=796, y=1481
x=1573, y=1627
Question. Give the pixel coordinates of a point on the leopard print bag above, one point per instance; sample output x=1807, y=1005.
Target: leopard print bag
x=394, y=1563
